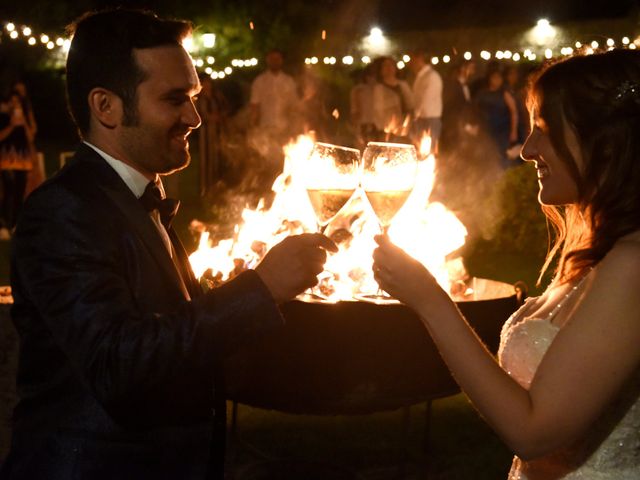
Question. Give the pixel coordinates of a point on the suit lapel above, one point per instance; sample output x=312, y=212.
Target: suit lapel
x=182, y=262
x=138, y=218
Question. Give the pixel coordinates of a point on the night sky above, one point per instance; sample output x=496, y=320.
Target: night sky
x=416, y=14
x=389, y=14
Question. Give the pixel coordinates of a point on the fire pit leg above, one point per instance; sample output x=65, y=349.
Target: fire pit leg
x=427, y=428
x=234, y=419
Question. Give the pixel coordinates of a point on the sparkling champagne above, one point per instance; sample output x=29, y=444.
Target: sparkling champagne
x=387, y=203
x=327, y=203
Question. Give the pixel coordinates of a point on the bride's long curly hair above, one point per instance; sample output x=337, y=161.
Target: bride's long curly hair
x=598, y=97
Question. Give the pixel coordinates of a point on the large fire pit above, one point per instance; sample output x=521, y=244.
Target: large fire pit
x=355, y=357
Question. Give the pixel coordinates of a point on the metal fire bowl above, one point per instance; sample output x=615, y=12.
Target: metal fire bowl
x=357, y=357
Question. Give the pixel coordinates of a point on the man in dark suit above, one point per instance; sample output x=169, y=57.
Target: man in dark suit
x=121, y=352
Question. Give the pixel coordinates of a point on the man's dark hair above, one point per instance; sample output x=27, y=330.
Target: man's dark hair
x=101, y=55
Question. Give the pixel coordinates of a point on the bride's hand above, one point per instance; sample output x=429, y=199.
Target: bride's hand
x=403, y=277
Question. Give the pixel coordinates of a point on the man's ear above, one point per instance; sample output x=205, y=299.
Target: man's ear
x=106, y=107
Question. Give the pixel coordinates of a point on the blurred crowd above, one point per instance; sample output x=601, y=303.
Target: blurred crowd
x=467, y=113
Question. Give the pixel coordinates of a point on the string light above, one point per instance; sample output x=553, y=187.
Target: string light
x=208, y=40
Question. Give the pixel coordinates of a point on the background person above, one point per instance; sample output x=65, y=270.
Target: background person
x=427, y=97
x=499, y=113
x=392, y=100
x=17, y=157
x=273, y=110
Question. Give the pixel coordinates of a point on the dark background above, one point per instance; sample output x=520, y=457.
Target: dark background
x=346, y=15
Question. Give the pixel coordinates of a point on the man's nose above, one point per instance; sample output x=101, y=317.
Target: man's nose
x=191, y=116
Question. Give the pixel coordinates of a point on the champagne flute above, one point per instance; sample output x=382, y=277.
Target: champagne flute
x=389, y=174
x=332, y=176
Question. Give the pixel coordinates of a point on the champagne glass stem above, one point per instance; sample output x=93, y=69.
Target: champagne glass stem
x=385, y=230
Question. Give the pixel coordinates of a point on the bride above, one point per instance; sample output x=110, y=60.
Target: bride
x=565, y=392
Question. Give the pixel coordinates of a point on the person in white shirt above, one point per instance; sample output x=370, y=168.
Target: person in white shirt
x=274, y=118
x=273, y=96
x=427, y=98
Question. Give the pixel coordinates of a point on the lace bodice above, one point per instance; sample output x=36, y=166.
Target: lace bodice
x=611, y=450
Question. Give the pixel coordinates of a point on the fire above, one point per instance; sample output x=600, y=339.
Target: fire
x=427, y=231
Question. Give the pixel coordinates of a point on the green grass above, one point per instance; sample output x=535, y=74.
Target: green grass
x=376, y=446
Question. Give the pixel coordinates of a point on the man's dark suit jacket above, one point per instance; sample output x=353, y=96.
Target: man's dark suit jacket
x=117, y=368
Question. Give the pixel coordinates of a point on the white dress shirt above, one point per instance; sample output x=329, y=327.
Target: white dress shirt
x=137, y=183
x=427, y=93
x=276, y=96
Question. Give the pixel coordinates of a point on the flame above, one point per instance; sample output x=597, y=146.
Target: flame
x=427, y=231
x=425, y=146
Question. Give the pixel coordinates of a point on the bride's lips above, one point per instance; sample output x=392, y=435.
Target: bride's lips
x=542, y=169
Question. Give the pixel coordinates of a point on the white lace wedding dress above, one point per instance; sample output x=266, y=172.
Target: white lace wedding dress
x=611, y=450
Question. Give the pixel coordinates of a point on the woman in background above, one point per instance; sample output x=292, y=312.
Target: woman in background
x=17, y=156
x=499, y=114
x=565, y=393
x=392, y=101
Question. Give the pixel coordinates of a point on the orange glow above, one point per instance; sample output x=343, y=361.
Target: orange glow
x=427, y=231
x=425, y=146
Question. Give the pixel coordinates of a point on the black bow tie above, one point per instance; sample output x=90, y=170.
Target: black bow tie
x=152, y=199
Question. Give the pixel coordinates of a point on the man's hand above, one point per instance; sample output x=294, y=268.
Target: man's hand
x=292, y=265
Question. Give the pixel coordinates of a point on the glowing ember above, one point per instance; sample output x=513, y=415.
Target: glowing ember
x=427, y=231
